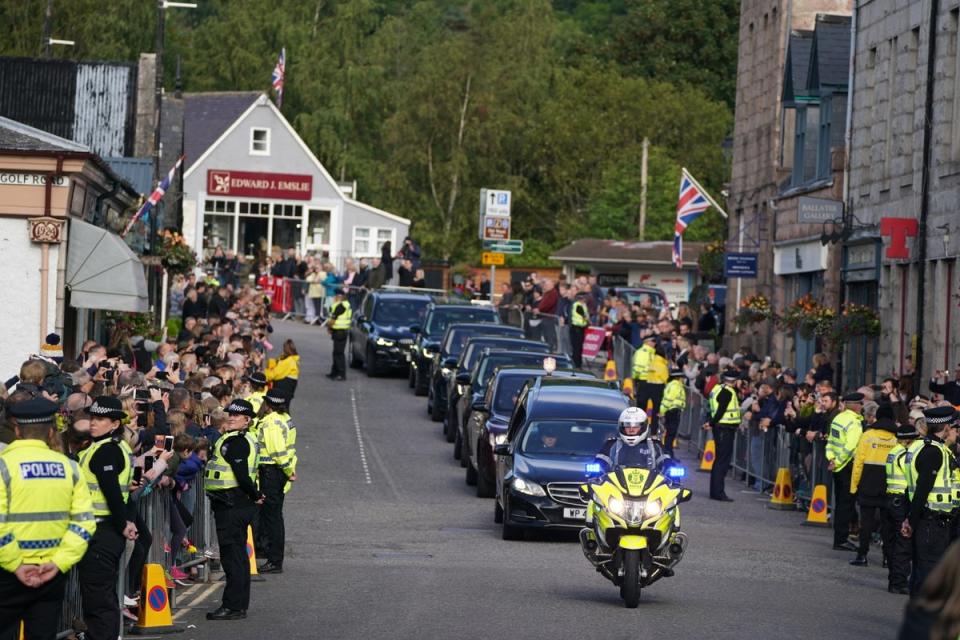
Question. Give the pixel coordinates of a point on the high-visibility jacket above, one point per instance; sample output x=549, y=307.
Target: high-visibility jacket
x=278, y=439
x=731, y=416
x=642, y=360
x=674, y=396
x=100, y=507
x=256, y=400
x=288, y=367
x=869, y=462
x=45, y=510
x=941, y=496
x=579, y=315
x=342, y=321
x=845, y=431
x=218, y=475
x=912, y=450
x=659, y=371
x=896, y=475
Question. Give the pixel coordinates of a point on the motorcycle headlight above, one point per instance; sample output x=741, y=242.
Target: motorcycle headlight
x=616, y=506
x=383, y=342
x=653, y=509
x=499, y=438
x=528, y=487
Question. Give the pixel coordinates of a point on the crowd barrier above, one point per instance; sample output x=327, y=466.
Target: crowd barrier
x=154, y=509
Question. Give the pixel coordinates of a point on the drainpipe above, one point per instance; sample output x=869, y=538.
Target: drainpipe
x=45, y=252
x=925, y=187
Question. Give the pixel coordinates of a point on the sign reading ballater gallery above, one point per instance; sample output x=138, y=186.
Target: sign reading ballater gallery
x=285, y=186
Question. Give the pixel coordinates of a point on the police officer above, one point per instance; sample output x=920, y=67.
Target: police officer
x=46, y=521
x=230, y=481
x=633, y=447
x=642, y=361
x=930, y=471
x=579, y=319
x=673, y=403
x=898, y=557
x=724, y=421
x=340, y=316
x=842, y=439
x=107, y=466
x=258, y=388
x=278, y=467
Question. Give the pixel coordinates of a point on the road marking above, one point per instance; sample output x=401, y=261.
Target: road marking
x=199, y=599
x=356, y=426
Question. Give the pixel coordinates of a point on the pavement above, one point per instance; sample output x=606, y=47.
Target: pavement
x=385, y=540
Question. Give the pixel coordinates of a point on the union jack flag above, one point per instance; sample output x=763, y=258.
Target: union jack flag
x=691, y=205
x=279, y=72
x=144, y=211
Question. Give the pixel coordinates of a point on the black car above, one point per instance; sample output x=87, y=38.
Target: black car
x=490, y=415
x=426, y=342
x=451, y=345
x=556, y=428
x=471, y=353
x=380, y=336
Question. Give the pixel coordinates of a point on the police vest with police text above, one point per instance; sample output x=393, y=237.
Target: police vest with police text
x=219, y=476
x=100, y=507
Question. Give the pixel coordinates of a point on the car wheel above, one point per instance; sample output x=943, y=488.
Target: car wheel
x=436, y=415
x=509, y=532
x=471, y=475
x=373, y=370
x=411, y=377
x=458, y=448
x=497, y=512
x=485, y=488
x=419, y=384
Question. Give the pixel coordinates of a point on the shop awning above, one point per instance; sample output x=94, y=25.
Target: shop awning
x=102, y=271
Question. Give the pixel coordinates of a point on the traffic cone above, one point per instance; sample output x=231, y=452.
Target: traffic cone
x=610, y=371
x=709, y=454
x=782, y=497
x=252, y=557
x=628, y=387
x=155, y=616
x=817, y=513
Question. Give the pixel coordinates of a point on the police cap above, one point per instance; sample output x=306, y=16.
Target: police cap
x=107, y=407
x=676, y=373
x=731, y=375
x=278, y=396
x=856, y=396
x=240, y=407
x=907, y=432
x=257, y=378
x=33, y=411
x=939, y=415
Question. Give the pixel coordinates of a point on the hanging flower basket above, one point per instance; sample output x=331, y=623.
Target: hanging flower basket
x=856, y=320
x=175, y=254
x=754, y=310
x=809, y=318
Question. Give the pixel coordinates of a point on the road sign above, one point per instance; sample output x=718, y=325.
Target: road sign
x=492, y=259
x=496, y=228
x=740, y=265
x=495, y=202
x=504, y=246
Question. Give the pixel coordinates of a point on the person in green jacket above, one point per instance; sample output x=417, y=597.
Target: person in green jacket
x=845, y=431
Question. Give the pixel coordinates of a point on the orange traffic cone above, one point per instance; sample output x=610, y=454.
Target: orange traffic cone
x=709, y=454
x=817, y=513
x=782, y=497
x=610, y=371
x=252, y=557
x=628, y=387
x=155, y=616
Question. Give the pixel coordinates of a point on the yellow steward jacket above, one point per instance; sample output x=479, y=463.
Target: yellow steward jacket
x=46, y=514
x=288, y=367
x=870, y=460
x=641, y=361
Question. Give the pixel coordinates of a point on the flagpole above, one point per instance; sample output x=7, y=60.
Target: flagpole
x=704, y=192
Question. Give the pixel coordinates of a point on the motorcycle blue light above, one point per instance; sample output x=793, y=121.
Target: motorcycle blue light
x=594, y=467
x=676, y=472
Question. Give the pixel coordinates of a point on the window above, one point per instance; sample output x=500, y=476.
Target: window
x=384, y=236
x=361, y=241
x=259, y=141
x=253, y=208
x=369, y=241
x=823, y=152
x=219, y=206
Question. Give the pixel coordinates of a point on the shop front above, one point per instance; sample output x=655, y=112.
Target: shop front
x=801, y=267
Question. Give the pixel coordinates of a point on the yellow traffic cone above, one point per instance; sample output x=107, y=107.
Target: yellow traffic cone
x=155, y=616
x=782, y=497
x=817, y=513
x=252, y=557
x=628, y=387
x=709, y=454
x=610, y=371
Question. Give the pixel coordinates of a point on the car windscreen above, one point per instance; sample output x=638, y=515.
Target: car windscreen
x=402, y=313
x=457, y=336
x=489, y=364
x=476, y=348
x=566, y=437
x=644, y=298
x=441, y=318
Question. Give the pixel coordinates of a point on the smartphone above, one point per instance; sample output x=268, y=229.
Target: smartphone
x=142, y=395
x=137, y=474
x=161, y=375
x=175, y=366
x=147, y=463
x=142, y=420
x=168, y=443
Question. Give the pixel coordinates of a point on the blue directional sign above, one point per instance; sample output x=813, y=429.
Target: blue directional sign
x=740, y=265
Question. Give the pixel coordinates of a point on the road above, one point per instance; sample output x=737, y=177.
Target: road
x=385, y=540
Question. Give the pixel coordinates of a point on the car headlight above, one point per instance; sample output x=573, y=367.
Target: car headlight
x=498, y=438
x=615, y=506
x=653, y=508
x=528, y=487
x=383, y=342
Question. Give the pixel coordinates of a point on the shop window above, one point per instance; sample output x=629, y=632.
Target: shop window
x=219, y=206
x=318, y=229
x=217, y=232
x=259, y=141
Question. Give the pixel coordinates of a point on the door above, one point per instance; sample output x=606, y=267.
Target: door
x=861, y=355
x=804, y=283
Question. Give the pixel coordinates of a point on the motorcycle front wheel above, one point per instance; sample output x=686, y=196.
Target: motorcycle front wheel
x=630, y=587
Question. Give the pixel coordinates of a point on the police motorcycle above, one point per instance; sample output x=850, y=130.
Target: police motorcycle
x=633, y=535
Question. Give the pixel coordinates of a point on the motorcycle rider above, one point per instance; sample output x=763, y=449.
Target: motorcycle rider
x=633, y=447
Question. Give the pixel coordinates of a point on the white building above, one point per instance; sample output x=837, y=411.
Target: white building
x=252, y=185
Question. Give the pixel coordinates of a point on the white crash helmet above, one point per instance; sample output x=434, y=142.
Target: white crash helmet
x=633, y=417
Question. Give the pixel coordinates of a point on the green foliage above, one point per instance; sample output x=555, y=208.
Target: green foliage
x=425, y=102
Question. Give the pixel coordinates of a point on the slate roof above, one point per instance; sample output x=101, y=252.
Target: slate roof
x=16, y=136
x=206, y=116
x=830, y=53
x=797, y=65
x=627, y=252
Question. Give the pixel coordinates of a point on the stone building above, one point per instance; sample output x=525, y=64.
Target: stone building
x=788, y=159
x=904, y=183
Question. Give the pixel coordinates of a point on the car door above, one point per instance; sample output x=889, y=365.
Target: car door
x=517, y=420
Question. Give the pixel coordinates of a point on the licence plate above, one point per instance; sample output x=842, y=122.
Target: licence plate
x=575, y=514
